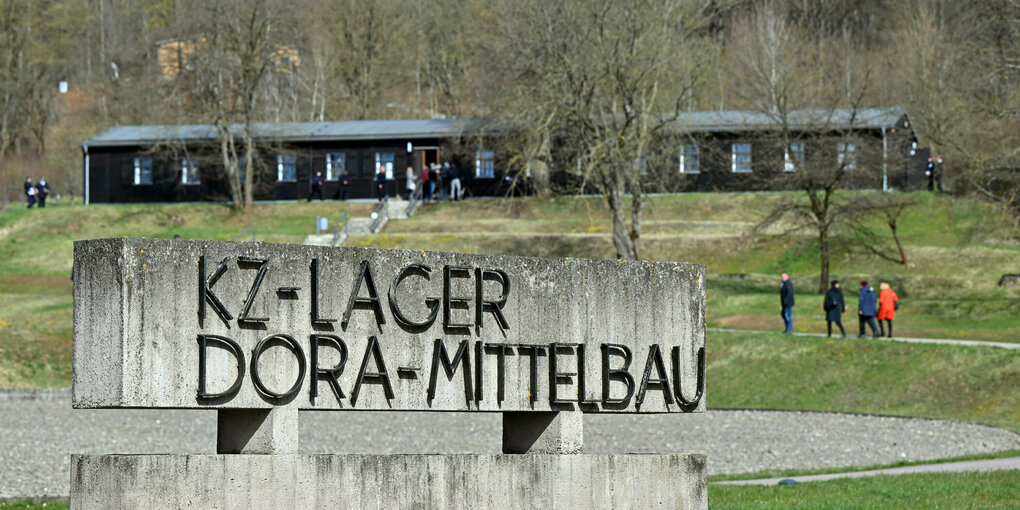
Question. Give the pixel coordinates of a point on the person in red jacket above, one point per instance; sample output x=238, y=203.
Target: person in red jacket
x=887, y=305
x=423, y=180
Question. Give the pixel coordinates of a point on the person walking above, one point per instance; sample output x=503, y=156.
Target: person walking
x=380, y=184
x=426, y=184
x=42, y=190
x=834, y=307
x=888, y=303
x=866, y=309
x=30, y=192
x=411, y=184
x=786, y=301
x=316, y=186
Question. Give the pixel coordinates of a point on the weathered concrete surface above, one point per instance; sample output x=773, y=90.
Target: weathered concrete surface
x=137, y=324
x=388, y=481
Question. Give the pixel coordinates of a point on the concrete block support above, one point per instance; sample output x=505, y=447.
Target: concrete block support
x=546, y=432
x=388, y=481
x=257, y=431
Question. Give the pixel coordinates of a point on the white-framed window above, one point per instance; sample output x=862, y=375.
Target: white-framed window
x=846, y=155
x=143, y=171
x=336, y=165
x=793, y=157
x=189, y=171
x=485, y=164
x=286, y=168
x=384, y=160
x=740, y=157
x=690, y=159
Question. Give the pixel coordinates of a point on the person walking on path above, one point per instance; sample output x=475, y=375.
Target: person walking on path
x=316, y=186
x=42, y=190
x=786, y=300
x=410, y=185
x=834, y=307
x=426, y=184
x=30, y=192
x=866, y=309
x=380, y=184
x=888, y=303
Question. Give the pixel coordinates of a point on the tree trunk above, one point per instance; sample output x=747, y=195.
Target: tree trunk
x=635, y=221
x=823, y=252
x=251, y=173
x=896, y=237
x=625, y=247
x=231, y=166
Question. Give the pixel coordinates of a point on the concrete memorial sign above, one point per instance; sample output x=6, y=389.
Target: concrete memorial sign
x=260, y=331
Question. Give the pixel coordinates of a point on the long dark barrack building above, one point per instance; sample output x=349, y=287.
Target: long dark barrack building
x=698, y=151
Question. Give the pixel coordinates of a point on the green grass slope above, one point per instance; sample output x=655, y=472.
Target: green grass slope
x=958, y=250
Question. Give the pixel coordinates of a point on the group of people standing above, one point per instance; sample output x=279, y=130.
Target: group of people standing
x=36, y=192
x=870, y=307
x=434, y=176
x=446, y=178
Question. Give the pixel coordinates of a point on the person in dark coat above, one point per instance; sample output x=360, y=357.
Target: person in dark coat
x=42, y=190
x=834, y=307
x=380, y=184
x=866, y=309
x=29, y=192
x=343, y=188
x=786, y=301
x=316, y=186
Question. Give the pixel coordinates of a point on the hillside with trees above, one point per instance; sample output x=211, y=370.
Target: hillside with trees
x=559, y=69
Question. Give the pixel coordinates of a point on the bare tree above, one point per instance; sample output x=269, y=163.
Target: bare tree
x=33, y=37
x=888, y=209
x=237, y=47
x=810, y=126
x=600, y=79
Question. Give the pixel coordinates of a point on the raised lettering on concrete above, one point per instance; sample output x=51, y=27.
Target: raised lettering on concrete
x=204, y=324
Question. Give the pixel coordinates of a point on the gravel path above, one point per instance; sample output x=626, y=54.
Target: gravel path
x=1011, y=463
x=38, y=434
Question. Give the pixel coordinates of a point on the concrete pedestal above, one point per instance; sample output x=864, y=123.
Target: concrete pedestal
x=389, y=481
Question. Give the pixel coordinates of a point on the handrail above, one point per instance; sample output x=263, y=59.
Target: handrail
x=414, y=199
x=380, y=214
x=341, y=228
x=244, y=233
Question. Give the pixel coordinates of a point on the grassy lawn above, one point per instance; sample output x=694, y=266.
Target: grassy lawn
x=950, y=490
x=775, y=371
x=31, y=504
